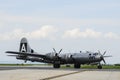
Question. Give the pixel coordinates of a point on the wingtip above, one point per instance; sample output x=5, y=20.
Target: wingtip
x=6, y=51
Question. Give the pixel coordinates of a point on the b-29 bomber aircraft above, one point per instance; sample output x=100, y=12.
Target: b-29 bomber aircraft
x=56, y=58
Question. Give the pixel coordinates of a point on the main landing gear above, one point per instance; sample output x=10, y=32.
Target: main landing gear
x=99, y=66
x=76, y=65
x=56, y=64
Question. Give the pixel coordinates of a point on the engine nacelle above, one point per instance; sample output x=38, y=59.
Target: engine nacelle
x=52, y=55
x=67, y=57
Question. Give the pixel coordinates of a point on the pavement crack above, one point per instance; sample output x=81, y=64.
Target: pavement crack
x=48, y=78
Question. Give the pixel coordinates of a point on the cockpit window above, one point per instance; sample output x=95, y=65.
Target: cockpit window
x=95, y=54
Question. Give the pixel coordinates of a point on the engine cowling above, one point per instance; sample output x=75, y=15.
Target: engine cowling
x=67, y=57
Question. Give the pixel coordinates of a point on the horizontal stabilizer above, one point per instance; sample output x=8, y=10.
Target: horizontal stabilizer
x=12, y=55
x=26, y=54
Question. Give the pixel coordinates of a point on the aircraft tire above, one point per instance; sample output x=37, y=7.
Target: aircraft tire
x=99, y=67
x=77, y=65
x=56, y=65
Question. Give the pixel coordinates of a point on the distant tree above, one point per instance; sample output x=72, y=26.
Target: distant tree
x=117, y=64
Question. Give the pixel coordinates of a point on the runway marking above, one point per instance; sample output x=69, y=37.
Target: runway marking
x=62, y=75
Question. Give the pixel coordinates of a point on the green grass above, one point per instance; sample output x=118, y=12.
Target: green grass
x=94, y=66
x=111, y=67
x=64, y=66
x=104, y=67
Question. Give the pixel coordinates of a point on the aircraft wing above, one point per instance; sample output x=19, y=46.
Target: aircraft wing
x=27, y=54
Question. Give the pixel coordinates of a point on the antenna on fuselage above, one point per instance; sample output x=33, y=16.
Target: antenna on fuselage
x=80, y=51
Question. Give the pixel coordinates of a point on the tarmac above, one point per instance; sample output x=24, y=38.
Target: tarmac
x=49, y=73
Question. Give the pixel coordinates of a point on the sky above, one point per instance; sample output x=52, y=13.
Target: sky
x=73, y=25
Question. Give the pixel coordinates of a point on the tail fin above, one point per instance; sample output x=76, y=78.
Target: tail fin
x=24, y=46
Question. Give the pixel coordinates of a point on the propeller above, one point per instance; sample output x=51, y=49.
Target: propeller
x=102, y=56
x=57, y=54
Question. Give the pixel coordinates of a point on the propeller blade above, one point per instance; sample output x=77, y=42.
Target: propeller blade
x=104, y=53
x=104, y=61
x=54, y=50
x=99, y=52
x=107, y=56
x=60, y=51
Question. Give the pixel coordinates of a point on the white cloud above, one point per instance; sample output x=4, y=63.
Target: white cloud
x=111, y=35
x=49, y=32
x=43, y=32
x=89, y=33
x=76, y=33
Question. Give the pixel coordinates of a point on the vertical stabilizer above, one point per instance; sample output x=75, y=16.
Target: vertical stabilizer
x=24, y=46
